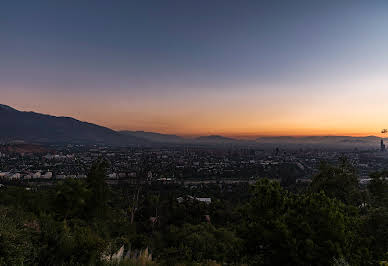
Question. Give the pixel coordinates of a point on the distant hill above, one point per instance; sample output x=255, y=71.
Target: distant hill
x=31, y=127
x=174, y=139
x=156, y=137
x=217, y=139
x=40, y=128
x=323, y=140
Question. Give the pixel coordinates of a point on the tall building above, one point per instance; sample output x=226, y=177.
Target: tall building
x=382, y=145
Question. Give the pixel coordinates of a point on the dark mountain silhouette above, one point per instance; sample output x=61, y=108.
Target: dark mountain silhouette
x=156, y=137
x=33, y=127
x=217, y=139
x=40, y=128
x=174, y=139
x=322, y=140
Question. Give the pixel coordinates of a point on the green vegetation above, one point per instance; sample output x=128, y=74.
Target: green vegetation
x=86, y=222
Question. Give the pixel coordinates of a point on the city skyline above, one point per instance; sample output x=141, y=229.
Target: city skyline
x=199, y=68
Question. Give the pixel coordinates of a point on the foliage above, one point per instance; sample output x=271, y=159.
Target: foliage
x=77, y=221
x=71, y=198
x=198, y=243
x=378, y=189
x=338, y=181
x=99, y=189
x=306, y=229
x=16, y=239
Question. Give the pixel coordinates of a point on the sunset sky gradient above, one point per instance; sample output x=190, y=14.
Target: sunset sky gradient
x=237, y=68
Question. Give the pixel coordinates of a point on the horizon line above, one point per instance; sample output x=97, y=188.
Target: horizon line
x=241, y=135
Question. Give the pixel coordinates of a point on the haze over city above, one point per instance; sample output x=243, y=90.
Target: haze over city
x=201, y=67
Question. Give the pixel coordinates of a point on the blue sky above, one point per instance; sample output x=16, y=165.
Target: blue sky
x=232, y=67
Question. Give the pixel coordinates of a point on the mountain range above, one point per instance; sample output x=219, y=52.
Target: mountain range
x=155, y=137
x=39, y=128
x=322, y=140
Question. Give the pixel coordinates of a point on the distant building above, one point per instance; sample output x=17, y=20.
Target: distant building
x=15, y=176
x=60, y=176
x=37, y=175
x=3, y=174
x=149, y=175
x=382, y=146
x=47, y=175
x=112, y=176
x=205, y=200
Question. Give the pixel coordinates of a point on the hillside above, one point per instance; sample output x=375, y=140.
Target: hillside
x=40, y=128
x=156, y=137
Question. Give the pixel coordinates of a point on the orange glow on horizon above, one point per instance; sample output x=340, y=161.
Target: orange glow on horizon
x=345, y=109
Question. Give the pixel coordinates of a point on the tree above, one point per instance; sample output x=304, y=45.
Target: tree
x=338, y=182
x=16, y=245
x=99, y=189
x=71, y=198
x=133, y=202
x=321, y=229
x=71, y=242
x=378, y=189
x=263, y=229
x=279, y=228
x=199, y=243
x=376, y=226
x=376, y=229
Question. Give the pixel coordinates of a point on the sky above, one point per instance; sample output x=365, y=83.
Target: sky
x=236, y=68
